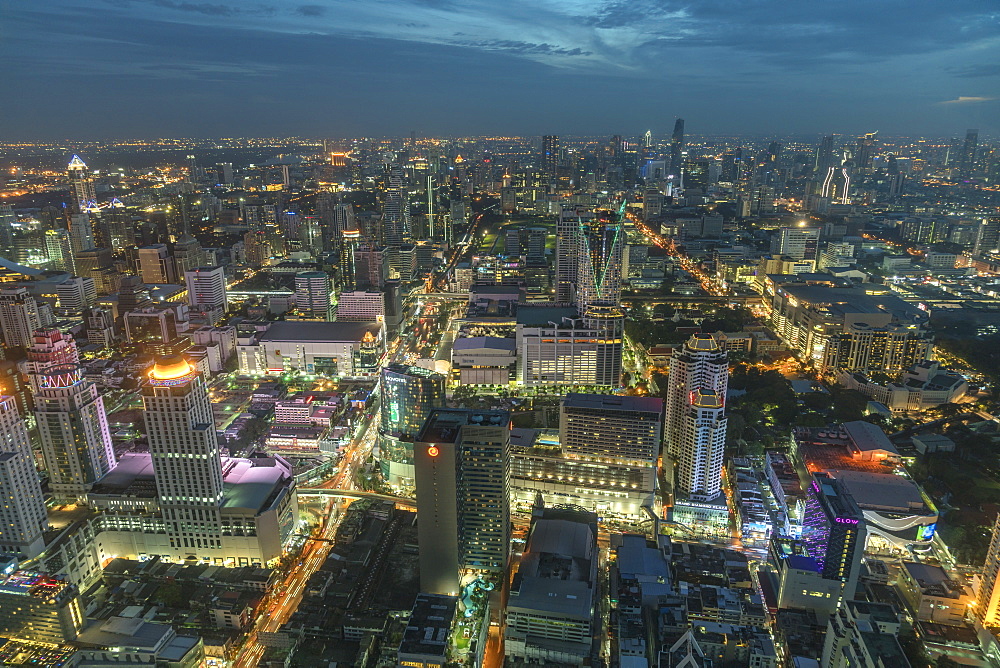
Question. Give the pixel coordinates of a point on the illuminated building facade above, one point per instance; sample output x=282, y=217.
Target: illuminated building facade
x=695, y=423
x=73, y=429
x=18, y=317
x=49, y=348
x=409, y=394
x=833, y=531
x=462, y=473
x=312, y=295
x=22, y=509
x=80, y=183
x=988, y=600
x=36, y=607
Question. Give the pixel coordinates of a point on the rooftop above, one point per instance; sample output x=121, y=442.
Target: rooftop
x=613, y=402
x=430, y=621
x=306, y=330
x=443, y=425
x=868, y=437
x=883, y=491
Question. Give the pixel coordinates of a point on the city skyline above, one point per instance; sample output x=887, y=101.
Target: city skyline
x=177, y=68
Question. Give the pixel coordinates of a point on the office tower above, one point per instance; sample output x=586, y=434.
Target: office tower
x=550, y=156
x=188, y=255
x=409, y=394
x=76, y=294
x=599, y=269
x=967, y=160
x=100, y=327
x=825, y=156
x=833, y=531
x=38, y=608
x=50, y=348
x=865, y=153
x=512, y=241
x=371, y=267
x=431, y=194
x=224, y=173
x=773, y=155
x=987, y=235
x=554, y=596
x=256, y=248
x=988, y=601
x=349, y=242
x=7, y=220
x=800, y=243
x=647, y=139
x=567, y=254
x=185, y=454
x=206, y=288
x=695, y=174
x=18, y=317
x=81, y=184
x=695, y=424
x=312, y=295
x=22, y=513
x=837, y=185
x=396, y=210
x=81, y=233
x=534, y=248
x=73, y=429
x=155, y=265
x=59, y=250
x=677, y=148
x=652, y=204
x=132, y=294
x=462, y=471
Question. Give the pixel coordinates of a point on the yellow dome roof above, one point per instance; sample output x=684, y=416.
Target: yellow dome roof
x=167, y=368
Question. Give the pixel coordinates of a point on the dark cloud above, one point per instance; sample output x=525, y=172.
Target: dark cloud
x=310, y=10
x=976, y=71
x=525, y=48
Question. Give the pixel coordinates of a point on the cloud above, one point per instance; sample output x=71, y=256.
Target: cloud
x=970, y=99
x=310, y=10
x=976, y=71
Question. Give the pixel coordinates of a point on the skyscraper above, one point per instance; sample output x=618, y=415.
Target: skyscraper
x=206, y=288
x=677, y=148
x=599, y=262
x=608, y=428
x=18, y=317
x=833, y=531
x=49, y=348
x=550, y=156
x=185, y=455
x=22, y=512
x=800, y=243
x=409, y=394
x=865, y=153
x=155, y=265
x=81, y=184
x=825, y=156
x=967, y=160
x=567, y=253
x=312, y=295
x=695, y=425
x=73, y=429
x=462, y=471
x=988, y=600
x=988, y=235
x=396, y=224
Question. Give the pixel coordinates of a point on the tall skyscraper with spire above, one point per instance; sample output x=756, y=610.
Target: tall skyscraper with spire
x=396, y=224
x=81, y=184
x=695, y=425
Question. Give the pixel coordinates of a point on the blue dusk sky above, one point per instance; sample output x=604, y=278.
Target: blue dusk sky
x=93, y=69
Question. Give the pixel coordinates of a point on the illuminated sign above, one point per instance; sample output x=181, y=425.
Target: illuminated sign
x=433, y=451
x=926, y=532
x=846, y=520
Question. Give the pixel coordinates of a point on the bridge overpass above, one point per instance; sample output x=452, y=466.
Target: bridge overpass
x=354, y=494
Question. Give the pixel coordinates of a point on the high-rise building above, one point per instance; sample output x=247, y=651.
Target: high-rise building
x=865, y=154
x=59, y=250
x=550, y=156
x=967, y=160
x=567, y=252
x=396, y=224
x=155, y=265
x=22, y=514
x=833, y=531
x=7, y=220
x=73, y=429
x=206, y=288
x=988, y=235
x=76, y=294
x=49, y=348
x=38, y=608
x=81, y=233
x=602, y=427
x=371, y=267
x=677, y=148
x=462, y=471
x=18, y=317
x=695, y=424
x=188, y=255
x=695, y=174
x=825, y=156
x=599, y=264
x=81, y=184
x=799, y=243
x=409, y=394
x=988, y=601
x=312, y=295
x=185, y=455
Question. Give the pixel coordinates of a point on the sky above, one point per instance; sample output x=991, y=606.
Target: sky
x=105, y=69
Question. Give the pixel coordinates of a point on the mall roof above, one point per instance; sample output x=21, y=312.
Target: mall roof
x=306, y=330
x=868, y=437
x=883, y=492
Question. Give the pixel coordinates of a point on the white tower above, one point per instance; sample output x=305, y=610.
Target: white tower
x=22, y=506
x=73, y=428
x=695, y=426
x=80, y=183
x=186, y=458
x=18, y=317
